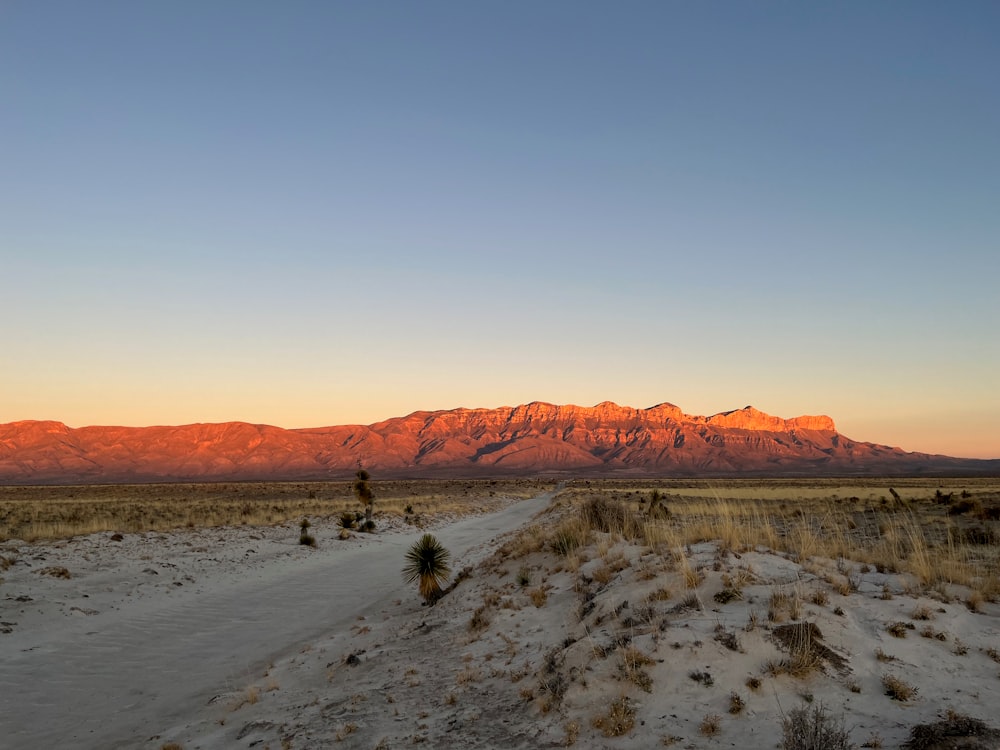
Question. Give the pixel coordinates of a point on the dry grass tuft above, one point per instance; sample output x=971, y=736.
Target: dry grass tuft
x=728, y=638
x=539, y=596
x=922, y=612
x=820, y=598
x=710, y=725
x=975, y=602
x=736, y=703
x=882, y=656
x=806, y=651
x=898, y=629
x=874, y=741
x=55, y=571
x=345, y=731
x=897, y=689
x=619, y=720
x=929, y=632
x=572, y=729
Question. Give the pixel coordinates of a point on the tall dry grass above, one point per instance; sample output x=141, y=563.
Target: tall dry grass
x=917, y=535
x=41, y=512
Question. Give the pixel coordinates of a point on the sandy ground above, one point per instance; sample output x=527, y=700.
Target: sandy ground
x=146, y=630
x=240, y=638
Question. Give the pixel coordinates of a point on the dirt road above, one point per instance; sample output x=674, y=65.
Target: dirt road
x=111, y=680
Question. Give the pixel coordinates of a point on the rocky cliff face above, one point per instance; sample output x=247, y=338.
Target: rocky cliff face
x=528, y=439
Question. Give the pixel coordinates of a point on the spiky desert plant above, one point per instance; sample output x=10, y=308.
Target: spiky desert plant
x=363, y=492
x=657, y=506
x=427, y=564
x=305, y=537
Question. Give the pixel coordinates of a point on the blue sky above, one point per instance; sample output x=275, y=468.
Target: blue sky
x=312, y=213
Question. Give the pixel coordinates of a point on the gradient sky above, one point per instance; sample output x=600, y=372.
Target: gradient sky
x=314, y=213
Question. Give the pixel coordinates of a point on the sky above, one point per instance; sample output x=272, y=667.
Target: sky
x=316, y=213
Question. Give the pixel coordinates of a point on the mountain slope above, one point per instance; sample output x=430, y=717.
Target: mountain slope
x=527, y=439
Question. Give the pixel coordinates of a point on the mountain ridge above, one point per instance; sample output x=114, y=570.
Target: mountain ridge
x=528, y=439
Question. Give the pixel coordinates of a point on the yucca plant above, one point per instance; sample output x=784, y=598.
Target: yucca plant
x=364, y=493
x=427, y=564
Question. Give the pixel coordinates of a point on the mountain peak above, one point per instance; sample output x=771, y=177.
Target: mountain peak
x=529, y=439
x=750, y=418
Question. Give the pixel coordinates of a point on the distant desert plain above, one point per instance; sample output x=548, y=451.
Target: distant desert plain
x=601, y=602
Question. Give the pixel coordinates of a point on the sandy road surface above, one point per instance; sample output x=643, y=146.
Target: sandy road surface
x=112, y=679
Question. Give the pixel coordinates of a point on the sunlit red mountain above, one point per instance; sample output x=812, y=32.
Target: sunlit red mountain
x=536, y=438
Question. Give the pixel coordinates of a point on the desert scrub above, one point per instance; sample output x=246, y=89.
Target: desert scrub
x=480, y=620
x=929, y=632
x=631, y=667
x=896, y=689
x=820, y=598
x=922, y=612
x=539, y=596
x=781, y=604
x=568, y=536
x=572, y=732
x=603, y=574
x=305, y=537
x=704, y=678
x=949, y=731
x=806, y=652
x=813, y=729
x=365, y=495
x=874, y=741
x=619, y=719
x=56, y=571
x=727, y=638
x=736, y=703
x=727, y=595
x=898, y=629
x=710, y=725
x=883, y=656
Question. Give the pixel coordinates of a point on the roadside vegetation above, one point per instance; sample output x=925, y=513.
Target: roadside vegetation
x=38, y=513
x=941, y=531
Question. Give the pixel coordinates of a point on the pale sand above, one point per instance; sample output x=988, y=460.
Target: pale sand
x=288, y=646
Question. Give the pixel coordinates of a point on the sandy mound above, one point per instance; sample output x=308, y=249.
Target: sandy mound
x=623, y=646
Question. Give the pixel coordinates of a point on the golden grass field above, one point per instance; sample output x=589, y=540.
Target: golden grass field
x=35, y=513
x=939, y=530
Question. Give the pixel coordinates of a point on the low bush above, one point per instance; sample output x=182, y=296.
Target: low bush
x=814, y=728
x=897, y=689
